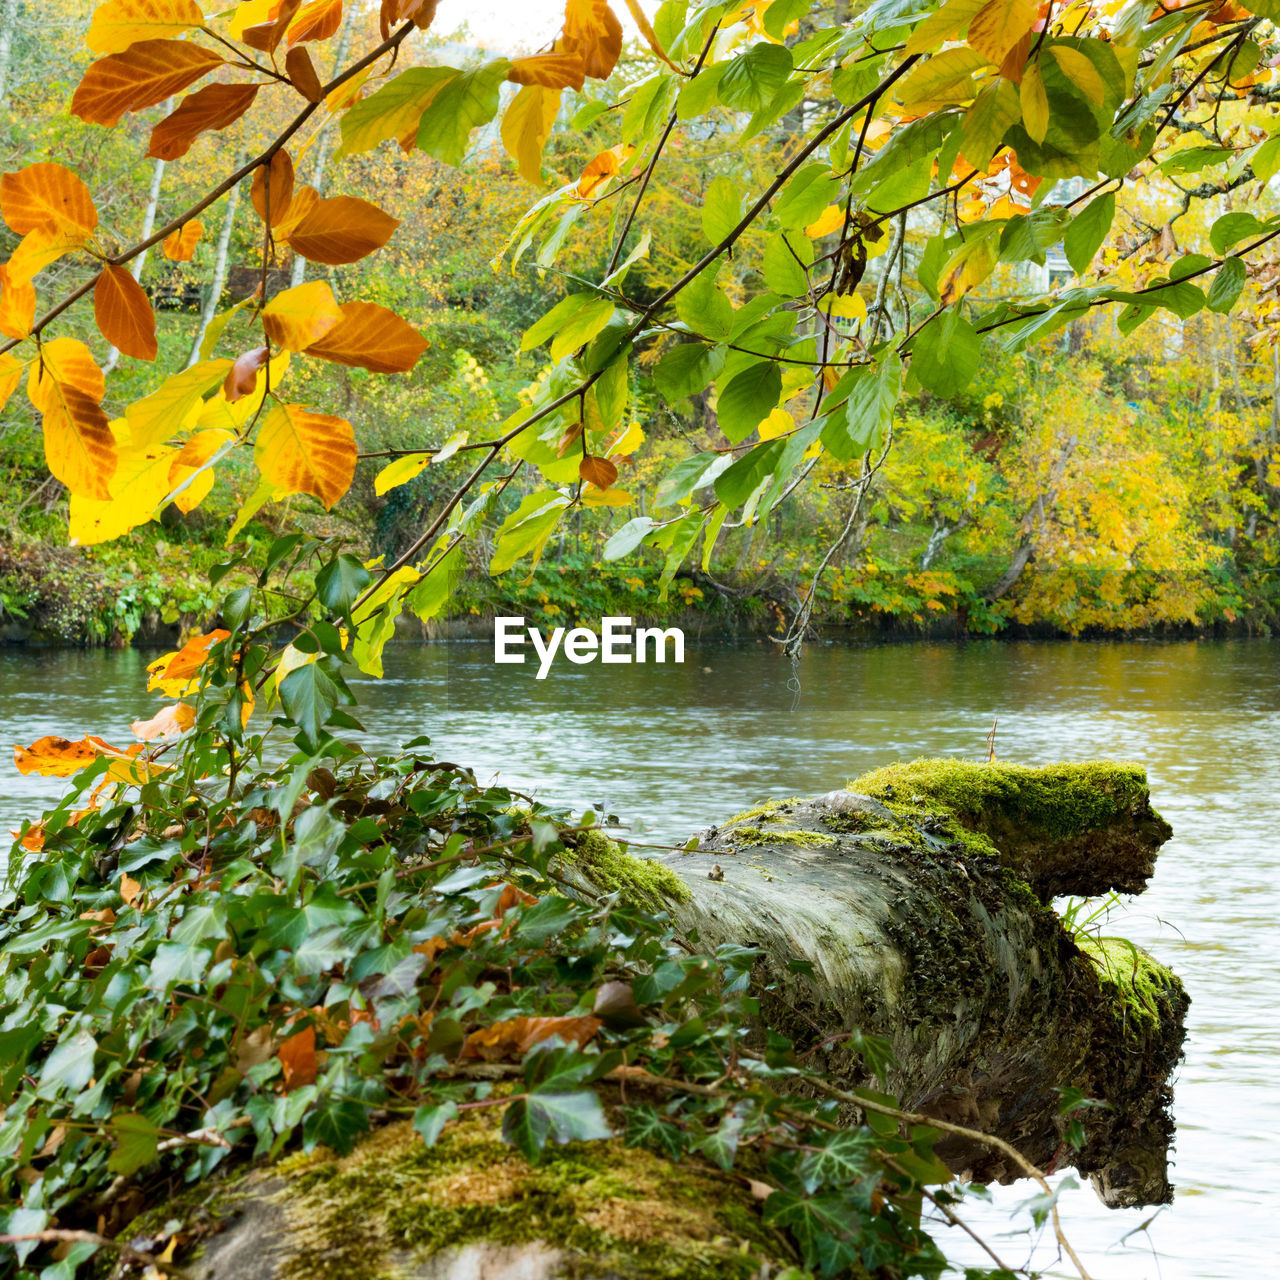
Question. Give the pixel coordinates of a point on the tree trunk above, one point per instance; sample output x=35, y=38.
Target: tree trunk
x=8, y=31
x=915, y=907
x=219, y=272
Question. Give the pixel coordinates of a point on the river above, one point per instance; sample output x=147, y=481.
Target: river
x=672, y=748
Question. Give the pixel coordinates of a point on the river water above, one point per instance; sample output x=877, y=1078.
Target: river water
x=672, y=748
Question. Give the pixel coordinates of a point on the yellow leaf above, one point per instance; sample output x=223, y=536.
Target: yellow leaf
x=999, y=25
x=967, y=268
x=641, y=19
x=252, y=13
x=1034, y=102
x=527, y=125
x=138, y=488
x=219, y=414
x=399, y=472
x=190, y=475
x=945, y=24
x=627, y=443
x=946, y=78
x=606, y=498
x=317, y=20
x=119, y=23
x=290, y=660
x=829, y=220
x=778, y=423
x=17, y=306
x=10, y=375
x=169, y=722
x=556, y=70
x=172, y=409
x=299, y=451
x=1081, y=72
x=177, y=673
x=603, y=167
x=39, y=249
x=67, y=386
x=844, y=306
x=302, y=315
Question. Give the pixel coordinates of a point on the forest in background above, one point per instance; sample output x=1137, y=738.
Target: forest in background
x=1102, y=481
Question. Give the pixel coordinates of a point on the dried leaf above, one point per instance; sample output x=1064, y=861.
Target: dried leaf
x=598, y=471
x=514, y=1037
x=214, y=107
x=298, y=1057
x=243, y=375
x=302, y=73
x=272, y=188
x=549, y=70
x=130, y=889
x=169, y=722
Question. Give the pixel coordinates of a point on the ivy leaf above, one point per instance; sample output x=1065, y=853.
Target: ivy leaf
x=335, y=1123
x=430, y=1121
x=136, y=1142
x=530, y=1122
x=71, y=1062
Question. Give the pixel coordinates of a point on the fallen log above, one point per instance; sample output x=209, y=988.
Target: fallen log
x=914, y=905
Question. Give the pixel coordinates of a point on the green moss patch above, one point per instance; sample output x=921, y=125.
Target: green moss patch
x=646, y=882
x=1138, y=984
x=754, y=835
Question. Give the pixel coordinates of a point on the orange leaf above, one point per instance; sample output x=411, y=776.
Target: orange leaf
x=340, y=230
x=514, y=1037
x=601, y=169
x=550, y=70
x=130, y=889
x=302, y=73
x=123, y=313
x=54, y=757
x=46, y=196
x=170, y=722
x=301, y=316
x=299, y=451
x=142, y=76
x=272, y=188
x=181, y=666
x=317, y=20
x=265, y=35
x=593, y=32
x=242, y=377
x=17, y=306
x=67, y=386
x=422, y=12
x=118, y=24
x=298, y=1057
x=371, y=337
x=180, y=245
x=304, y=200
x=598, y=471
x=214, y=107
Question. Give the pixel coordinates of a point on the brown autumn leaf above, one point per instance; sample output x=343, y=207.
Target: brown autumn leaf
x=180, y=245
x=167, y=723
x=598, y=471
x=255, y=1048
x=46, y=197
x=17, y=306
x=242, y=377
x=549, y=70
x=267, y=35
x=298, y=1057
x=514, y=1037
x=130, y=889
x=123, y=313
x=305, y=199
x=303, y=75
x=97, y=959
x=299, y=451
x=371, y=337
x=299, y=317
x=66, y=385
x=55, y=757
x=214, y=107
x=615, y=1005
x=423, y=13
x=341, y=229
x=316, y=20
x=143, y=75
x=572, y=435
x=272, y=188
x=593, y=32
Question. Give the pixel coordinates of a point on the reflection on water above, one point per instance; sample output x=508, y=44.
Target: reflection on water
x=674, y=748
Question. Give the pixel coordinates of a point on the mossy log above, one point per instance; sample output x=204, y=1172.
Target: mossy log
x=914, y=905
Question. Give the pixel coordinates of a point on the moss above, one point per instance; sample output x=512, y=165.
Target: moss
x=646, y=882
x=393, y=1201
x=765, y=811
x=1062, y=800
x=1138, y=984
x=753, y=835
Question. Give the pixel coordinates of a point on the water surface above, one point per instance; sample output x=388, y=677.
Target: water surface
x=673, y=748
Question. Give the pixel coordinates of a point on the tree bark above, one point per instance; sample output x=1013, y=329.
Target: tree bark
x=210, y=308
x=914, y=907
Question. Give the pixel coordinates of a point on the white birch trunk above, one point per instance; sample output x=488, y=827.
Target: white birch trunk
x=219, y=272
x=8, y=29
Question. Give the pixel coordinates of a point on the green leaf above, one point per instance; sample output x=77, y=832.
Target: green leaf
x=702, y=305
x=526, y=530
x=530, y=1122
x=868, y=411
x=340, y=583
x=1266, y=160
x=309, y=697
x=987, y=121
x=628, y=538
x=1231, y=228
x=394, y=109
x=741, y=480
x=460, y=105
x=334, y=1123
x=1088, y=230
x=787, y=256
x=71, y=1062
x=136, y=1142
x=689, y=475
x=751, y=80
x=748, y=398
x=721, y=209
x=430, y=1121
x=571, y=323
x=806, y=195
x=687, y=370
x=1228, y=284
x=944, y=357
